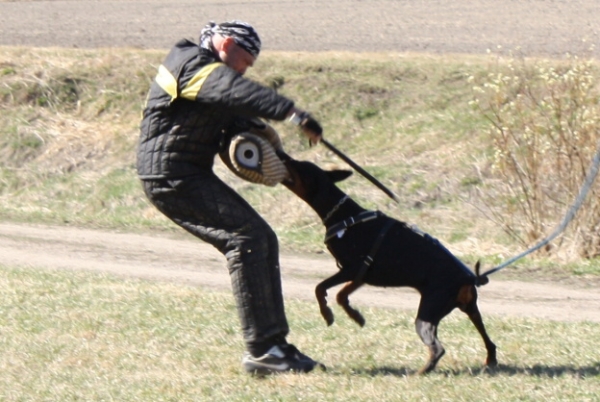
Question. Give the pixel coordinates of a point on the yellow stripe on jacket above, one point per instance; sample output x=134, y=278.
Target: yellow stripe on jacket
x=168, y=83
x=190, y=91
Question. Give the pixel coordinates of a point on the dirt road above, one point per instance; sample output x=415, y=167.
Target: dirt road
x=193, y=262
x=538, y=27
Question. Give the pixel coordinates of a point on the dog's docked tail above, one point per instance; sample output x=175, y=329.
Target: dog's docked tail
x=480, y=280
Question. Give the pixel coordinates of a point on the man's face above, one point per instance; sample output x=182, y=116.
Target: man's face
x=236, y=57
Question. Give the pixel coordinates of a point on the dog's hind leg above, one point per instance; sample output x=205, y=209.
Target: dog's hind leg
x=475, y=317
x=321, y=292
x=342, y=299
x=468, y=304
x=433, y=307
x=428, y=333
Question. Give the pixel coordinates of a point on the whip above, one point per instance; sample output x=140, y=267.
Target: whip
x=360, y=170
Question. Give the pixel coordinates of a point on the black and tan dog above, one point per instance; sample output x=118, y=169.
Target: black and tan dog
x=375, y=249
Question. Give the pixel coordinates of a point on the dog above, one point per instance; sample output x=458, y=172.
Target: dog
x=372, y=248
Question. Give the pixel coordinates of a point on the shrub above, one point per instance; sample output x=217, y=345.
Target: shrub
x=545, y=128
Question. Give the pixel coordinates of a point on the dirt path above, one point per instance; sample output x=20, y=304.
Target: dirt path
x=193, y=262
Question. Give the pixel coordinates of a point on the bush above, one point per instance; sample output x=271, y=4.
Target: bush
x=545, y=128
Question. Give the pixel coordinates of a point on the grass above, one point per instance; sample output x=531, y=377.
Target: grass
x=69, y=127
x=70, y=116
x=70, y=336
x=68, y=130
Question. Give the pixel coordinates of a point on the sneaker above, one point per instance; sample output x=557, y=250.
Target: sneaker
x=279, y=359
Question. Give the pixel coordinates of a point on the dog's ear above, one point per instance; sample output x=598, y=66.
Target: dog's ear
x=339, y=175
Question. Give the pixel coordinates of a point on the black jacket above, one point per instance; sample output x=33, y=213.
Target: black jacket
x=195, y=102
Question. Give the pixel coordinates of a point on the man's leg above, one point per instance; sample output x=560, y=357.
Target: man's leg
x=211, y=210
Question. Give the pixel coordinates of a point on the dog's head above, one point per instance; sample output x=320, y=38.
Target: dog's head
x=309, y=182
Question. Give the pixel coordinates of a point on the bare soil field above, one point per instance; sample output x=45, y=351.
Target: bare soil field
x=534, y=27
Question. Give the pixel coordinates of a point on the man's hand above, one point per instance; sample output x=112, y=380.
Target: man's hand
x=312, y=129
x=309, y=126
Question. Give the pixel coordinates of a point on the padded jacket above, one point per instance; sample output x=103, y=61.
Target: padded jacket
x=195, y=103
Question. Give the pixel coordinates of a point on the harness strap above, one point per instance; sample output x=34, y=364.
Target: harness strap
x=370, y=257
x=365, y=216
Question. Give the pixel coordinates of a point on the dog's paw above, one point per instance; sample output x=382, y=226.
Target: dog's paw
x=327, y=315
x=491, y=362
x=357, y=317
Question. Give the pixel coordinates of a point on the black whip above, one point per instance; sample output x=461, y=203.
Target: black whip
x=360, y=170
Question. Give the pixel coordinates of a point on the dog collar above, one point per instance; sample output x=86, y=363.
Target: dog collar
x=335, y=208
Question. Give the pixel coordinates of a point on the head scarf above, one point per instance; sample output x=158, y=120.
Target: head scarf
x=242, y=33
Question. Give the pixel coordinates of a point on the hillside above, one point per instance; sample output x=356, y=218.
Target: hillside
x=69, y=131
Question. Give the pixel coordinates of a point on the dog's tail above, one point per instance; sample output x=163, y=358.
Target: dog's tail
x=480, y=280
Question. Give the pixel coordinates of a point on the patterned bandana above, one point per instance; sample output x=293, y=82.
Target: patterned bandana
x=242, y=33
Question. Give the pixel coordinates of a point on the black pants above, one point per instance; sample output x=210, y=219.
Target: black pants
x=212, y=211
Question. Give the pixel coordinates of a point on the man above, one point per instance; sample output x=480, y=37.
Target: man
x=198, y=100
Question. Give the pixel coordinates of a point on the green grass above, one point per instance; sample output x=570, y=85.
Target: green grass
x=70, y=122
x=68, y=130
x=69, y=336
x=69, y=127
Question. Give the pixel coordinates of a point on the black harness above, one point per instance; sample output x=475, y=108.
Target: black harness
x=339, y=228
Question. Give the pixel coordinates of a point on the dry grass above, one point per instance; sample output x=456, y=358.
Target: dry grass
x=69, y=129
x=70, y=336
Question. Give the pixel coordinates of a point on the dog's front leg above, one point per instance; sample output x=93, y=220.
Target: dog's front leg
x=342, y=299
x=321, y=293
